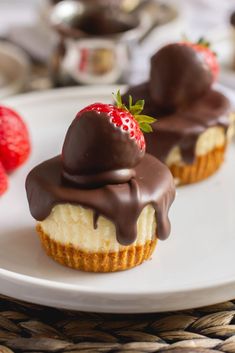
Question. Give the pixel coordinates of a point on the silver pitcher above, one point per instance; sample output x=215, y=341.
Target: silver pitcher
x=96, y=39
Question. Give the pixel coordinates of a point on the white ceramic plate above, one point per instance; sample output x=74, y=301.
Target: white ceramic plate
x=195, y=267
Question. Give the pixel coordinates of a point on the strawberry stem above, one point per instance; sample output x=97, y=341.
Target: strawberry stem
x=201, y=41
x=144, y=121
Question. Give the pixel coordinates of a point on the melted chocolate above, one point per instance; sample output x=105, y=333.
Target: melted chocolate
x=178, y=76
x=183, y=127
x=96, y=152
x=120, y=203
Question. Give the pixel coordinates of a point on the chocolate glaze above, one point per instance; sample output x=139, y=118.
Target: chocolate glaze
x=183, y=127
x=96, y=152
x=178, y=76
x=120, y=203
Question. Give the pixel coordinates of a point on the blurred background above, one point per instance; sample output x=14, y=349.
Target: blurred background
x=50, y=43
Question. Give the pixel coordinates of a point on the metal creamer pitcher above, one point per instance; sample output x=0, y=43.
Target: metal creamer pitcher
x=95, y=42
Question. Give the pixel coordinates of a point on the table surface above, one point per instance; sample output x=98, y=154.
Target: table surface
x=28, y=327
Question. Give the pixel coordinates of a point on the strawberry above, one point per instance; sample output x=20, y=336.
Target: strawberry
x=203, y=48
x=104, y=144
x=14, y=139
x=127, y=119
x=3, y=180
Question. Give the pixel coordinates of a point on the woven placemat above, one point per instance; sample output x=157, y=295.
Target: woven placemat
x=27, y=327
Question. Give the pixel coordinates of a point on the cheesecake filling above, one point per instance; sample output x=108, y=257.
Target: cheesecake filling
x=74, y=225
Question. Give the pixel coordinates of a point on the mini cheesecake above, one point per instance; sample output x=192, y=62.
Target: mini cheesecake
x=195, y=123
x=102, y=204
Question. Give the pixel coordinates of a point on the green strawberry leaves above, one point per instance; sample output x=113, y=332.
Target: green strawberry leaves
x=205, y=43
x=202, y=41
x=118, y=99
x=144, y=121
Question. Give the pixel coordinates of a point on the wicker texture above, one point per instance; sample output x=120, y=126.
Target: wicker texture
x=27, y=327
x=96, y=262
x=202, y=168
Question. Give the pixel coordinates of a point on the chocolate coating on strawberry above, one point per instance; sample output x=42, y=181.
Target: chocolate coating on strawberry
x=179, y=75
x=99, y=149
x=104, y=143
x=203, y=48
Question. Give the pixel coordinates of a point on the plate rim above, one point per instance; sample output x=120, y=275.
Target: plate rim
x=66, y=286
x=66, y=92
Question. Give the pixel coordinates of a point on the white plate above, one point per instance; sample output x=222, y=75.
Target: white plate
x=195, y=267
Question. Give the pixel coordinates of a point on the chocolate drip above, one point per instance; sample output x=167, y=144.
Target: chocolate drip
x=183, y=127
x=95, y=219
x=132, y=210
x=120, y=203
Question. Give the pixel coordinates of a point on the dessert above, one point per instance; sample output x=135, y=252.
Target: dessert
x=194, y=120
x=14, y=144
x=102, y=204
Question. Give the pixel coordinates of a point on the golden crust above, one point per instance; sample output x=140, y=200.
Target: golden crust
x=72, y=257
x=203, y=167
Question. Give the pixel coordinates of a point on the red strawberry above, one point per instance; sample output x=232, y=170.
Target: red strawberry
x=203, y=48
x=128, y=120
x=104, y=143
x=14, y=139
x=3, y=180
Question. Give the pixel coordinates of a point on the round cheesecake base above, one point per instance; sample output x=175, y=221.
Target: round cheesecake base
x=203, y=167
x=70, y=256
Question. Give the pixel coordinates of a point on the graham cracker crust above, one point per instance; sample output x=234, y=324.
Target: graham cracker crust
x=203, y=167
x=75, y=258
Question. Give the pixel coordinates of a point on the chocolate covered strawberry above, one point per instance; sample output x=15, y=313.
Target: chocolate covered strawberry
x=3, y=180
x=180, y=75
x=14, y=139
x=202, y=47
x=105, y=140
